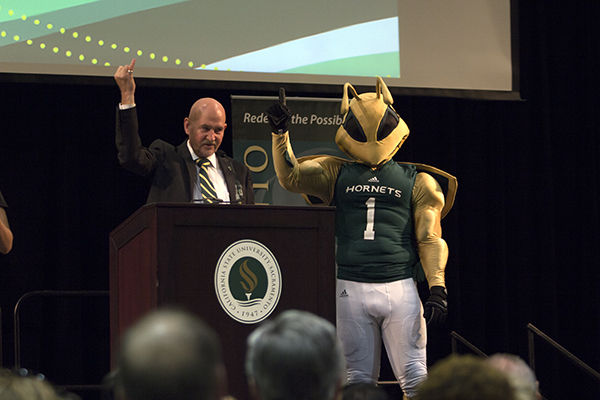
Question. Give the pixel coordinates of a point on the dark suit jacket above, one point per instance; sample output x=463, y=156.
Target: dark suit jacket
x=174, y=171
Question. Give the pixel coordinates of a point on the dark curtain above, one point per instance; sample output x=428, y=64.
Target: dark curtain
x=522, y=235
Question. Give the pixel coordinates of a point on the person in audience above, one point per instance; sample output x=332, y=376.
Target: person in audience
x=6, y=235
x=22, y=384
x=521, y=377
x=465, y=377
x=363, y=391
x=169, y=355
x=296, y=356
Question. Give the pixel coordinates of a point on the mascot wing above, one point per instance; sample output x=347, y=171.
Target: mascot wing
x=447, y=182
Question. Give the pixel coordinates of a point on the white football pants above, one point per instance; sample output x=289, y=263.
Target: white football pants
x=368, y=313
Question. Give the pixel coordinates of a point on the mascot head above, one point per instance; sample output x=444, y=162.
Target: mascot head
x=372, y=131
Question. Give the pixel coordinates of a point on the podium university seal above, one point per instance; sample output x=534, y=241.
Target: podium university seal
x=248, y=281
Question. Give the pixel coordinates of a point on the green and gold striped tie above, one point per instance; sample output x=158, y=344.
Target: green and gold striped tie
x=208, y=190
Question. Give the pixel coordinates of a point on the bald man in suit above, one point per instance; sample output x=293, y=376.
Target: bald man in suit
x=175, y=169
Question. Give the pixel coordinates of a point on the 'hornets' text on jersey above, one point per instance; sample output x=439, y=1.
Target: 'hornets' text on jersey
x=374, y=189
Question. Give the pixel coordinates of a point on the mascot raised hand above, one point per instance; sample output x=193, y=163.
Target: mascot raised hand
x=388, y=226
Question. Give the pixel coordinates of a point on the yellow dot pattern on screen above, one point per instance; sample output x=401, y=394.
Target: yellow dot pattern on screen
x=87, y=39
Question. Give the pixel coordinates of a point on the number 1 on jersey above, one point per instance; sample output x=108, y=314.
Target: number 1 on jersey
x=369, y=233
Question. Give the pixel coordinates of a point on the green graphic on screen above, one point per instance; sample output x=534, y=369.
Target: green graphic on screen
x=336, y=37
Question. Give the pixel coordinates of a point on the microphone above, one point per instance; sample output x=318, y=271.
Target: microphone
x=211, y=201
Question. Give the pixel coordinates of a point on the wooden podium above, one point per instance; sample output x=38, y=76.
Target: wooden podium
x=167, y=254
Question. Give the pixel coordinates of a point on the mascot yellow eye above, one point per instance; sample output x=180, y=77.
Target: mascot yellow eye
x=389, y=122
x=352, y=126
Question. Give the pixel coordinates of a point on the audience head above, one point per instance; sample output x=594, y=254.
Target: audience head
x=465, y=377
x=205, y=126
x=295, y=356
x=363, y=391
x=520, y=376
x=169, y=355
x=19, y=385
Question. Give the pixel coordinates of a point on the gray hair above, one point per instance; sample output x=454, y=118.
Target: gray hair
x=465, y=377
x=296, y=356
x=169, y=354
x=14, y=386
x=521, y=377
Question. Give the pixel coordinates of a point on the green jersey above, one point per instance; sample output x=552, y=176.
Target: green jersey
x=374, y=222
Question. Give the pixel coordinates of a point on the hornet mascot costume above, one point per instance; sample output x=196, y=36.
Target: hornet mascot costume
x=387, y=227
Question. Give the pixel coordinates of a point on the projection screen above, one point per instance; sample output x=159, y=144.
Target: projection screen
x=443, y=45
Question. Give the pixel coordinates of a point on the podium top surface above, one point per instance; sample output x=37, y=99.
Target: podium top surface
x=154, y=211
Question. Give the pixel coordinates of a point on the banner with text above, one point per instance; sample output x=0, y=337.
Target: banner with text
x=312, y=129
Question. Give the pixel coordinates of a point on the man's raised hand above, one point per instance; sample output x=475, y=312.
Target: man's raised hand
x=124, y=78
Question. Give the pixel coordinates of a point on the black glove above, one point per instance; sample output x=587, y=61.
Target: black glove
x=279, y=114
x=436, y=306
